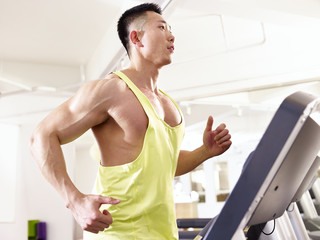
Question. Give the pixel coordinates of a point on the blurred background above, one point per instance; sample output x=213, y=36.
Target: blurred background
x=234, y=59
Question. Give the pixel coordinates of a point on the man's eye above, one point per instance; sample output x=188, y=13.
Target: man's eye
x=162, y=27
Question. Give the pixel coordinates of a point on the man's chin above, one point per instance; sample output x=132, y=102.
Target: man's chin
x=164, y=62
x=167, y=62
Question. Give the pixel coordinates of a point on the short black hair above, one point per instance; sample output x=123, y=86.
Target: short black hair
x=129, y=16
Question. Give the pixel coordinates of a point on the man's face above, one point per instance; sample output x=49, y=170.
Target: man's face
x=157, y=40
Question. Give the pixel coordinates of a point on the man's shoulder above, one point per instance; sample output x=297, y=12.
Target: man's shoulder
x=111, y=77
x=111, y=85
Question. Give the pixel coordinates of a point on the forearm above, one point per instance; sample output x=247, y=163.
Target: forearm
x=48, y=154
x=189, y=160
x=215, y=142
x=85, y=208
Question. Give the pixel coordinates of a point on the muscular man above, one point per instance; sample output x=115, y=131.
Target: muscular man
x=139, y=130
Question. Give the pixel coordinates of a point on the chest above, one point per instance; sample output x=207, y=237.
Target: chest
x=164, y=108
x=130, y=119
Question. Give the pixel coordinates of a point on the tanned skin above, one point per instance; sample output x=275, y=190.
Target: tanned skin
x=118, y=122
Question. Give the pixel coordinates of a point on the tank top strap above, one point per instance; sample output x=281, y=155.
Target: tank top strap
x=174, y=102
x=148, y=108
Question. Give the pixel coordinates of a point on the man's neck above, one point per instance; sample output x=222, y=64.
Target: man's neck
x=144, y=75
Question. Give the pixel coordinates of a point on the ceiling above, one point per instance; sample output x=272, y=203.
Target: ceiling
x=63, y=32
x=48, y=49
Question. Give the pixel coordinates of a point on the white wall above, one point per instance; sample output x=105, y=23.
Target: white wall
x=85, y=170
x=8, y=156
x=35, y=198
x=255, y=55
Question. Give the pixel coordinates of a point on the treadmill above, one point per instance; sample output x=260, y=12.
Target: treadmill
x=273, y=178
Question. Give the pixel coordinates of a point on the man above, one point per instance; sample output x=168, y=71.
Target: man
x=139, y=130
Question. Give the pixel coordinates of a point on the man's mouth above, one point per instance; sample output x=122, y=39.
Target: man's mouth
x=171, y=49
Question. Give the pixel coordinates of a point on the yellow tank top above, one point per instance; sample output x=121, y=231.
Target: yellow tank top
x=144, y=186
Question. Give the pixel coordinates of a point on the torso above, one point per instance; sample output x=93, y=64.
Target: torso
x=121, y=136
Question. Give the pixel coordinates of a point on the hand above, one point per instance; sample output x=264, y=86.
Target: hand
x=85, y=210
x=216, y=141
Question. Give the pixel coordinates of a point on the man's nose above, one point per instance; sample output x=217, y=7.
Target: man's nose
x=171, y=38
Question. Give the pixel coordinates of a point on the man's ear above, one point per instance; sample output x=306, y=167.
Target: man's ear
x=135, y=38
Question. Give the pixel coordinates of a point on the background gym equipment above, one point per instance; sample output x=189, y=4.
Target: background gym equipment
x=274, y=176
